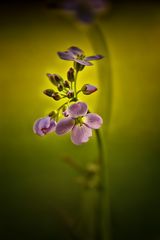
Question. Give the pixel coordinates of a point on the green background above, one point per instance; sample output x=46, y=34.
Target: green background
x=37, y=187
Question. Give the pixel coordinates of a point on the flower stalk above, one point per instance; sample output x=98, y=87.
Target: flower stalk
x=73, y=116
x=99, y=43
x=75, y=85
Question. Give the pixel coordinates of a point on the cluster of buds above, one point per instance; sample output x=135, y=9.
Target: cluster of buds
x=63, y=87
x=76, y=117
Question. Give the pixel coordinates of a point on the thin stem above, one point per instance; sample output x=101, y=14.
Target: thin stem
x=71, y=85
x=99, y=210
x=79, y=91
x=103, y=205
x=62, y=106
x=100, y=147
x=75, y=84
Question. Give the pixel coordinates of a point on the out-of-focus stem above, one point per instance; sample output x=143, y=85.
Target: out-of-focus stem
x=99, y=211
x=99, y=45
x=100, y=147
x=103, y=207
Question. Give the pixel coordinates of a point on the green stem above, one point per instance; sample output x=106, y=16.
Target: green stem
x=71, y=85
x=62, y=106
x=100, y=147
x=103, y=206
x=75, y=84
x=99, y=208
x=79, y=91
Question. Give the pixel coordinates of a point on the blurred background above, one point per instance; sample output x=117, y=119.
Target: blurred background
x=38, y=189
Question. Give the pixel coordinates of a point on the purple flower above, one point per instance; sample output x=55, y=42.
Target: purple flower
x=79, y=123
x=88, y=89
x=77, y=55
x=85, y=10
x=43, y=126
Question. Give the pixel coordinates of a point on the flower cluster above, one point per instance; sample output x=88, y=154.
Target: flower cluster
x=75, y=115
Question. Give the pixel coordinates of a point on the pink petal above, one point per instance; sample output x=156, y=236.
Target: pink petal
x=41, y=123
x=80, y=134
x=52, y=127
x=75, y=50
x=44, y=122
x=36, y=128
x=83, y=62
x=67, y=55
x=93, y=120
x=78, y=109
x=65, y=125
x=91, y=58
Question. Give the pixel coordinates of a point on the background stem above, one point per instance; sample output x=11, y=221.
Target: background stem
x=103, y=206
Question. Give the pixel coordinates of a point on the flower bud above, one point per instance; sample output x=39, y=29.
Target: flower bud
x=52, y=93
x=66, y=84
x=60, y=87
x=87, y=89
x=49, y=92
x=64, y=111
x=56, y=96
x=64, y=108
x=70, y=94
x=70, y=75
x=53, y=114
x=54, y=78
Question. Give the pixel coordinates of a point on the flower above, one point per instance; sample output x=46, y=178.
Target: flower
x=85, y=10
x=87, y=89
x=79, y=122
x=77, y=55
x=43, y=126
